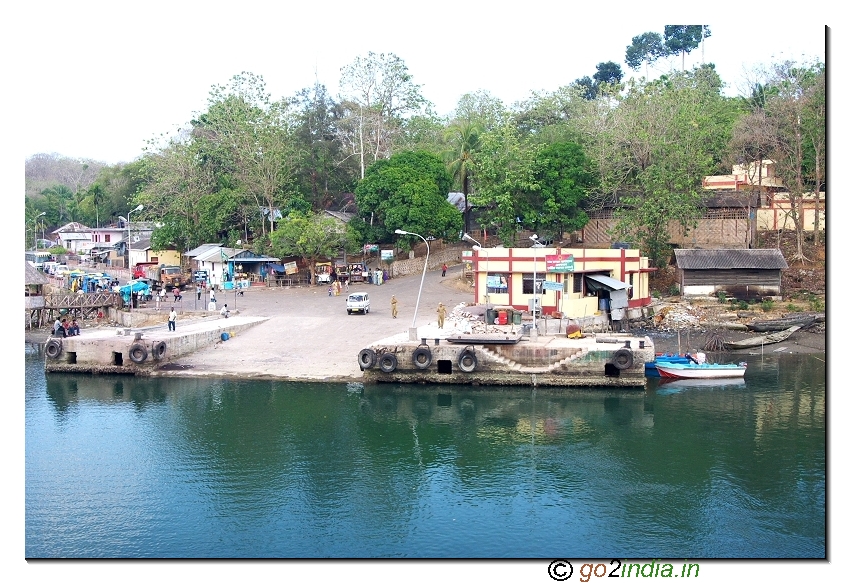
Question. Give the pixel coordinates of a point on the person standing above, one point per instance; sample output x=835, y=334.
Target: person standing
x=394, y=304
x=445, y=268
x=441, y=315
x=172, y=321
x=157, y=296
x=199, y=291
x=212, y=295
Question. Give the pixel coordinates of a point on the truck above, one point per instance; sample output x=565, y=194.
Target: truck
x=162, y=276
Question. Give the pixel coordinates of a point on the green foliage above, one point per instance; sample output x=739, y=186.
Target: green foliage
x=721, y=297
x=408, y=191
x=767, y=305
x=310, y=236
x=816, y=304
x=793, y=308
x=563, y=178
x=743, y=305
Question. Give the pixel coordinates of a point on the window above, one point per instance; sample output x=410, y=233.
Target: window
x=577, y=283
x=528, y=283
x=106, y=238
x=497, y=283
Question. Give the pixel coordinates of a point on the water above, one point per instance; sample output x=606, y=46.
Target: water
x=157, y=468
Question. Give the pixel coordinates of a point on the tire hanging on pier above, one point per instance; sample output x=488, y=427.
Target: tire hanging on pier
x=467, y=361
x=422, y=357
x=53, y=348
x=138, y=352
x=623, y=359
x=159, y=349
x=366, y=358
x=388, y=362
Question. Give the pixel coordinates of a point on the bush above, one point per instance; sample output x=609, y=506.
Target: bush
x=793, y=308
x=743, y=305
x=721, y=297
x=766, y=305
x=674, y=290
x=816, y=304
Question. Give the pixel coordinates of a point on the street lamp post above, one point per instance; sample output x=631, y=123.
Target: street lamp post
x=35, y=230
x=413, y=335
x=129, y=249
x=536, y=245
x=477, y=247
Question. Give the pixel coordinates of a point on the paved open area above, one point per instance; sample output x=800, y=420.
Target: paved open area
x=309, y=335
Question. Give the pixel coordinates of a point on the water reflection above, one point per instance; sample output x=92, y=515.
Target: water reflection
x=199, y=467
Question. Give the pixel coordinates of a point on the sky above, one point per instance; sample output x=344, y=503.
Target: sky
x=100, y=79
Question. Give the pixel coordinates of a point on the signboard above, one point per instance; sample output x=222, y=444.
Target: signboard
x=201, y=275
x=370, y=248
x=553, y=285
x=387, y=254
x=290, y=268
x=560, y=263
x=466, y=256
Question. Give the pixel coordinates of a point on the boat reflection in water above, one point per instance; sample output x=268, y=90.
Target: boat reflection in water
x=671, y=386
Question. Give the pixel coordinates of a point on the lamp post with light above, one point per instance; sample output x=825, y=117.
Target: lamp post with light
x=477, y=247
x=35, y=230
x=129, y=249
x=412, y=332
x=536, y=246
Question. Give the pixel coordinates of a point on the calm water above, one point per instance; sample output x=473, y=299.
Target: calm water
x=124, y=467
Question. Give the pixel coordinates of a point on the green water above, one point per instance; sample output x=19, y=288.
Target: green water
x=125, y=467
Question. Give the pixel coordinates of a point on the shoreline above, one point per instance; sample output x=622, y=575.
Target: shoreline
x=309, y=337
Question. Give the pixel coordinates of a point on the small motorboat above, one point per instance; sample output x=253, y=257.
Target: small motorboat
x=649, y=369
x=676, y=370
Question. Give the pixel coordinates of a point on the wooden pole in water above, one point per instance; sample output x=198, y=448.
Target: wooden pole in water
x=679, y=338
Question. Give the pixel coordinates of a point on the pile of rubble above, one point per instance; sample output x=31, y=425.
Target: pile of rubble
x=679, y=317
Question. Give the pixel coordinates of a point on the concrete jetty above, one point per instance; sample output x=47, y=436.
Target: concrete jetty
x=139, y=351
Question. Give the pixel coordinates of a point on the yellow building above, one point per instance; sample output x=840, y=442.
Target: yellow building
x=574, y=282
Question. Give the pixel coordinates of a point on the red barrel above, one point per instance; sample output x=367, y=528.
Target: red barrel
x=503, y=317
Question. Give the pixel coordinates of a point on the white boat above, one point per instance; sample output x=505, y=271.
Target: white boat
x=673, y=370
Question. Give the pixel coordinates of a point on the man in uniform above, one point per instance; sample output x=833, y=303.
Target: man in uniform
x=394, y=303
x=441, y=315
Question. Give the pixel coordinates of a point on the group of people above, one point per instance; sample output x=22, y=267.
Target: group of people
x=441, y=311
x=63, y=329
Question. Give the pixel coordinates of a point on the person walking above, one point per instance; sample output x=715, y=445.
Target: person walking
x=172, y=321
x=445, y=268
x=441, y=315
x=394, y=304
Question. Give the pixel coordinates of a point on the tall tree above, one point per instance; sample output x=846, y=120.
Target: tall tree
x=683, y=38
x=645, y=49
x=462, y=137
x=311, y=236
x=564, y=177
x=377, y=91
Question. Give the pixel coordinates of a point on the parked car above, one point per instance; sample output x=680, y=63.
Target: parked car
x=358, y=302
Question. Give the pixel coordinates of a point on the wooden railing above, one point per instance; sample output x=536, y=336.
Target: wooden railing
x=81, y=301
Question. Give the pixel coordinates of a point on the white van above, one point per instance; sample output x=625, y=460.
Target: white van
x=357, y=302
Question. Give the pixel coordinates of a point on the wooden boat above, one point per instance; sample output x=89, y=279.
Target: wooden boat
x=780, y=324
x=675, y=370
x=759, y=341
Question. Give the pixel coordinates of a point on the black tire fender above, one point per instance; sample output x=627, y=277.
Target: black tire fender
x=367, y=358
x=623, y=359
x=388, y=362
x=159, y=349
x=422, y=357
x=467, y=361
x=138, y=352
x=53, y=348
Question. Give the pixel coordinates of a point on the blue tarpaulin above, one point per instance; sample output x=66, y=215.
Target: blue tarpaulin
x=138, y=287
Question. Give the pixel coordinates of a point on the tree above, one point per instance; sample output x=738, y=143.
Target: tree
x=683, y=38
x=795, y=110
x=645, y=49
x=462, y=138
x=311, y=236
x=564, y=177
x=608, y=72
x=377, y=92
x=408, y=191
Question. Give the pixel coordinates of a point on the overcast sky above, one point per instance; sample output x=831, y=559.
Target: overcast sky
x=99, y=79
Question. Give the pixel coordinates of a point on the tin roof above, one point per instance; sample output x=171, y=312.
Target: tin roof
x=730, y=259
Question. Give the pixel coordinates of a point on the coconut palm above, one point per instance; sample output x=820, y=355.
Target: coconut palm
x=462, y=138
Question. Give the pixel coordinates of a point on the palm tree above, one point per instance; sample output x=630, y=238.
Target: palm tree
x=463, y=140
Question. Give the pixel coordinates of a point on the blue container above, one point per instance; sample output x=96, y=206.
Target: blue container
x=225, y=336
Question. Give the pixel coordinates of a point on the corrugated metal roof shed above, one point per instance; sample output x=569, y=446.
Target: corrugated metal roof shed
x=730, y=259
